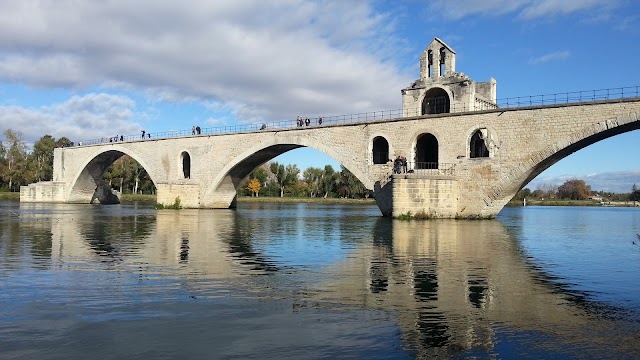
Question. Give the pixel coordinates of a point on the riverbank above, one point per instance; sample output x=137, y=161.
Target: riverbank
x=560, y=202
x=9, y=195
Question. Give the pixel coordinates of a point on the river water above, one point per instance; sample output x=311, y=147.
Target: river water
x=311, y=281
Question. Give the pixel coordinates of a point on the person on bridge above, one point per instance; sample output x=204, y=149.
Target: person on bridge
x=193, y=130
x=320, y=120
x=198, y=130
x=307, y=122
x=142, y=137
x=264, y=126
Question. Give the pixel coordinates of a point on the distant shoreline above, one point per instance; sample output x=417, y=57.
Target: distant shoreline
x=558, y=202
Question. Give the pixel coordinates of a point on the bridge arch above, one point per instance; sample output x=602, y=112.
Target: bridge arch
x=87, y=180
x=380, y=149
x=222, y=188
x=541, y=160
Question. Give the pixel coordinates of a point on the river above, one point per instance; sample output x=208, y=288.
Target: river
x=313, y=281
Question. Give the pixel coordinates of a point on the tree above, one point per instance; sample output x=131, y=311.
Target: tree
x=284, y=175
x=635, y=193
x=549, y=191
x=349, y=185
x=537, y=194
x=254, y=186
x=41, y=159
x=523, y=194
x=15, y=157
x=329, y=181
x=313, y=177
x=574, y=190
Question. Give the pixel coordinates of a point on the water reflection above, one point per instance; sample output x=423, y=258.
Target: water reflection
x=452, y=288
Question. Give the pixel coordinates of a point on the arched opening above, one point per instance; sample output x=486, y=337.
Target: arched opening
x=380, y=150
x=186, y=165
x=107, y=176
x=443, y=57
x=436, y=101
x=426, y=152
x=430, y=62
x=477, y=146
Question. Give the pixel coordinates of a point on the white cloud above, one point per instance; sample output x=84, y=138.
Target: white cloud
x=268, y=59
x=554, y=56
x=80, y=118
x=527, y=9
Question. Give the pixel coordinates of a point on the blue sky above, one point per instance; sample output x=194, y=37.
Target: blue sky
x=95, y=69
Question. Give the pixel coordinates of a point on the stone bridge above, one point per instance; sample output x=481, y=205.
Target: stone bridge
x=522, y=142
x=465, y=156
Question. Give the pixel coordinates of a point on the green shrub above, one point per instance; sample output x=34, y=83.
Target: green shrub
x=175, y=206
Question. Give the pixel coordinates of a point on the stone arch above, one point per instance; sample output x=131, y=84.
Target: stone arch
x=436, y=101
x=225, y=183
x=185, y=164
x=88, y=178
x=380, y=149
x=426, y=151
x=519, y=176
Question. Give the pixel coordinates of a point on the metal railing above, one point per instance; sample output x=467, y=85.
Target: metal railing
x=424, y=168
x=512, y=102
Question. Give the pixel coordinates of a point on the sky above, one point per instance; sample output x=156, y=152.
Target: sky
x=92, y=69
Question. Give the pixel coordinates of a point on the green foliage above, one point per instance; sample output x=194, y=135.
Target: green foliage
x=635, y=193
x=175, y=206
x=13, y=168
x=420, y=215
x=128, y=177
x=349, y=186
x=523, y=194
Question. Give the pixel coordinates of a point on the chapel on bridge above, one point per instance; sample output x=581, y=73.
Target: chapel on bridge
x=440, y=89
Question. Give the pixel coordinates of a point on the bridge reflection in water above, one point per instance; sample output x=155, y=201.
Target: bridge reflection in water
x=452, y=287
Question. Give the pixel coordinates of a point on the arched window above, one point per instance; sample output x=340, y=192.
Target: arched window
x=430, y=62
x=477, y=147
x=380, y=150
x=426, y=152
x=443, y=57
x=186, y=165
x=436, y=101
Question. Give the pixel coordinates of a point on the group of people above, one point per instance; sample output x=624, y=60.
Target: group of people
x=400, y=165
x=195, y=130
x=116, y=138
x=306, y=121
x=143, y=133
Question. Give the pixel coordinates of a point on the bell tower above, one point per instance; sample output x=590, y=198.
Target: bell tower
x=440, y=89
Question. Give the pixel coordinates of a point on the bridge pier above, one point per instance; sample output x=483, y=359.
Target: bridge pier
x=44, y=191
x=418, y=196
x=187, y=191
